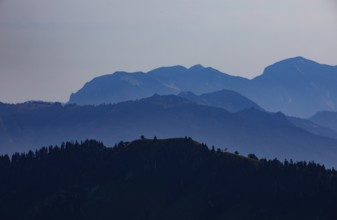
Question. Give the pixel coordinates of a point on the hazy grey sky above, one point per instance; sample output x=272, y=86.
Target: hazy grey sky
x=49, y=48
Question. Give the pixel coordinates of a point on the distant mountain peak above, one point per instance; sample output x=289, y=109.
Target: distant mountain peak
x=294, y=61
x=167, y=69
x=289, y=67
x=297, y=60
x=197, y=67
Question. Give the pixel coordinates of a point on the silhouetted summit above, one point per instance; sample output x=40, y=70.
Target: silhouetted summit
x=197, y=67
x=296, y=86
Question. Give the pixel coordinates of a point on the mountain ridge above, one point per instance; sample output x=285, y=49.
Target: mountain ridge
x=283, y=86
x=266, y=134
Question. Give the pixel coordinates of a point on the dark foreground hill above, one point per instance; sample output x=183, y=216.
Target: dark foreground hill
x=161, y=179
x=25, y=126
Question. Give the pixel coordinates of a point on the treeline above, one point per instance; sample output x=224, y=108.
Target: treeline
x=161, y=179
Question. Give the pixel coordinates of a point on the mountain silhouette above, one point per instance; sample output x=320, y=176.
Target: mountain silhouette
x=28, y=125
x=234, y=102
x=122, y=86
x=296, y=86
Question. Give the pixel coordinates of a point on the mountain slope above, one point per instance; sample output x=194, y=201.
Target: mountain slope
x=117, y=87
x=296, y=86
x=268, y=135
x=313, y=127
x=226, y=99
x=325, y=118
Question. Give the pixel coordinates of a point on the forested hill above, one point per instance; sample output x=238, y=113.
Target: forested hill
x=161, y=179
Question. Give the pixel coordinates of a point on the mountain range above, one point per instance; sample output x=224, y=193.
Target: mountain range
x=234, y=121
x=210, y=106
x=251, y=130
x=295, y=86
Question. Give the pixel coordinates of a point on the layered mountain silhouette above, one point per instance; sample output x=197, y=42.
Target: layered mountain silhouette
x=29, y=125
x=295, y=86
x=123, y=86
x=234, y=102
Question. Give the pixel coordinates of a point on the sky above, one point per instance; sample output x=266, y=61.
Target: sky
x=49, y=49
